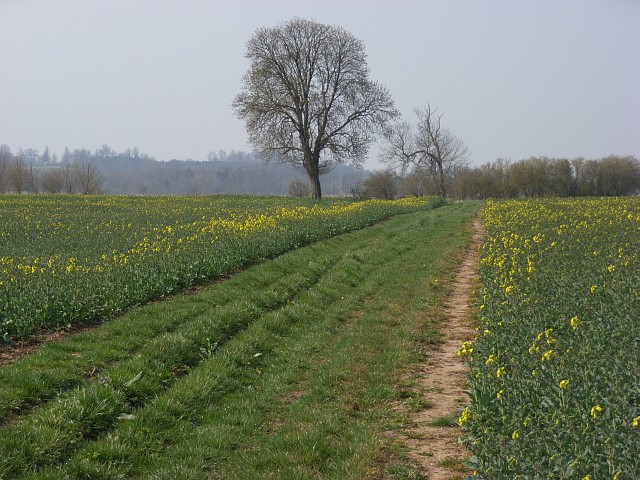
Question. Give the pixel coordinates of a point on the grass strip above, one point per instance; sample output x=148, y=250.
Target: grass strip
x=61, y=366
x=94, y=406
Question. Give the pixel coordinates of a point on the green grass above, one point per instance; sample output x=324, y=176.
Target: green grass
x=287, y=370
x=445, y=421
x=456, y=464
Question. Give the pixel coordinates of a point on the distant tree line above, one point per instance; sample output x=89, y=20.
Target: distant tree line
x=548, y=177
x=531, y=177
x=132, y=172
x=27, y=171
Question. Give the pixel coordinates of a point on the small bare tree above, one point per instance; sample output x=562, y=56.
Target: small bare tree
x=5, y=166
x=307, y=98
x=419, y=182
x=33, y=180
x=299, y=189
x=87, y=177
x=19, y=174
x=382, y=185
x=429, y=147
x=52, y=180
x=69, y=177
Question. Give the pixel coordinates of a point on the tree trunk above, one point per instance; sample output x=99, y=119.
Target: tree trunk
x=311, y=165
x=441, y=188
x=314, y=180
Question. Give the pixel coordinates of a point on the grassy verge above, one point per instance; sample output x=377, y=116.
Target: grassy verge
x=285, y=371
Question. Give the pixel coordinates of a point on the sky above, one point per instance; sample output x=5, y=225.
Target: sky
x=512, y=78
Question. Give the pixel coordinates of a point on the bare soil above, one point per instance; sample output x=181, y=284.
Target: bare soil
x=11, y=353
x=443, y=379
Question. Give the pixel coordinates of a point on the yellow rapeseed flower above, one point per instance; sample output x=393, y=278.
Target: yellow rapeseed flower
x=530, y=267
x=596, y=411
x=465, y=416
x=548, y=355
x=636, y=422
x=465, y=350
x=575, y=321
x=564, y=384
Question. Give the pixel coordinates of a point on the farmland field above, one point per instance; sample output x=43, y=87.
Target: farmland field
x=287, y=370
x=293, y=367
x=69, y=260
x=555, y=378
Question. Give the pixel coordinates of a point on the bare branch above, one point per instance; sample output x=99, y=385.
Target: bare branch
x=429, y=147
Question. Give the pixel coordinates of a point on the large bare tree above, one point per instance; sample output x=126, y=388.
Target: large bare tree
x=429, y=147
x=307, y=98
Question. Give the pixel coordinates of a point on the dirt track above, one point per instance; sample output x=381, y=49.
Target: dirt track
x=443, y=378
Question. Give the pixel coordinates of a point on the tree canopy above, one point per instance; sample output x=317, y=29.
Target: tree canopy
x=307, y=98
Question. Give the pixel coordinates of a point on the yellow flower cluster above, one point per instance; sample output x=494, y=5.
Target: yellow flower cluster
x=466, y=350
x=195, y=220
x=464, y=418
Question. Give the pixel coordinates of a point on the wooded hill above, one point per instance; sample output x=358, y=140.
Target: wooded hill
x=135, y=173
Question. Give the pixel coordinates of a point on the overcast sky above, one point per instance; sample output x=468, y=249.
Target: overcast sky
x=513, y=78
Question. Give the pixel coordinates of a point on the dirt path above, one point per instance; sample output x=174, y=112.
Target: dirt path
x=443, y=379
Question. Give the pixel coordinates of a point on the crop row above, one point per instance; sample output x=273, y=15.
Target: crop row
x=68, y=260
x=555, y=370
